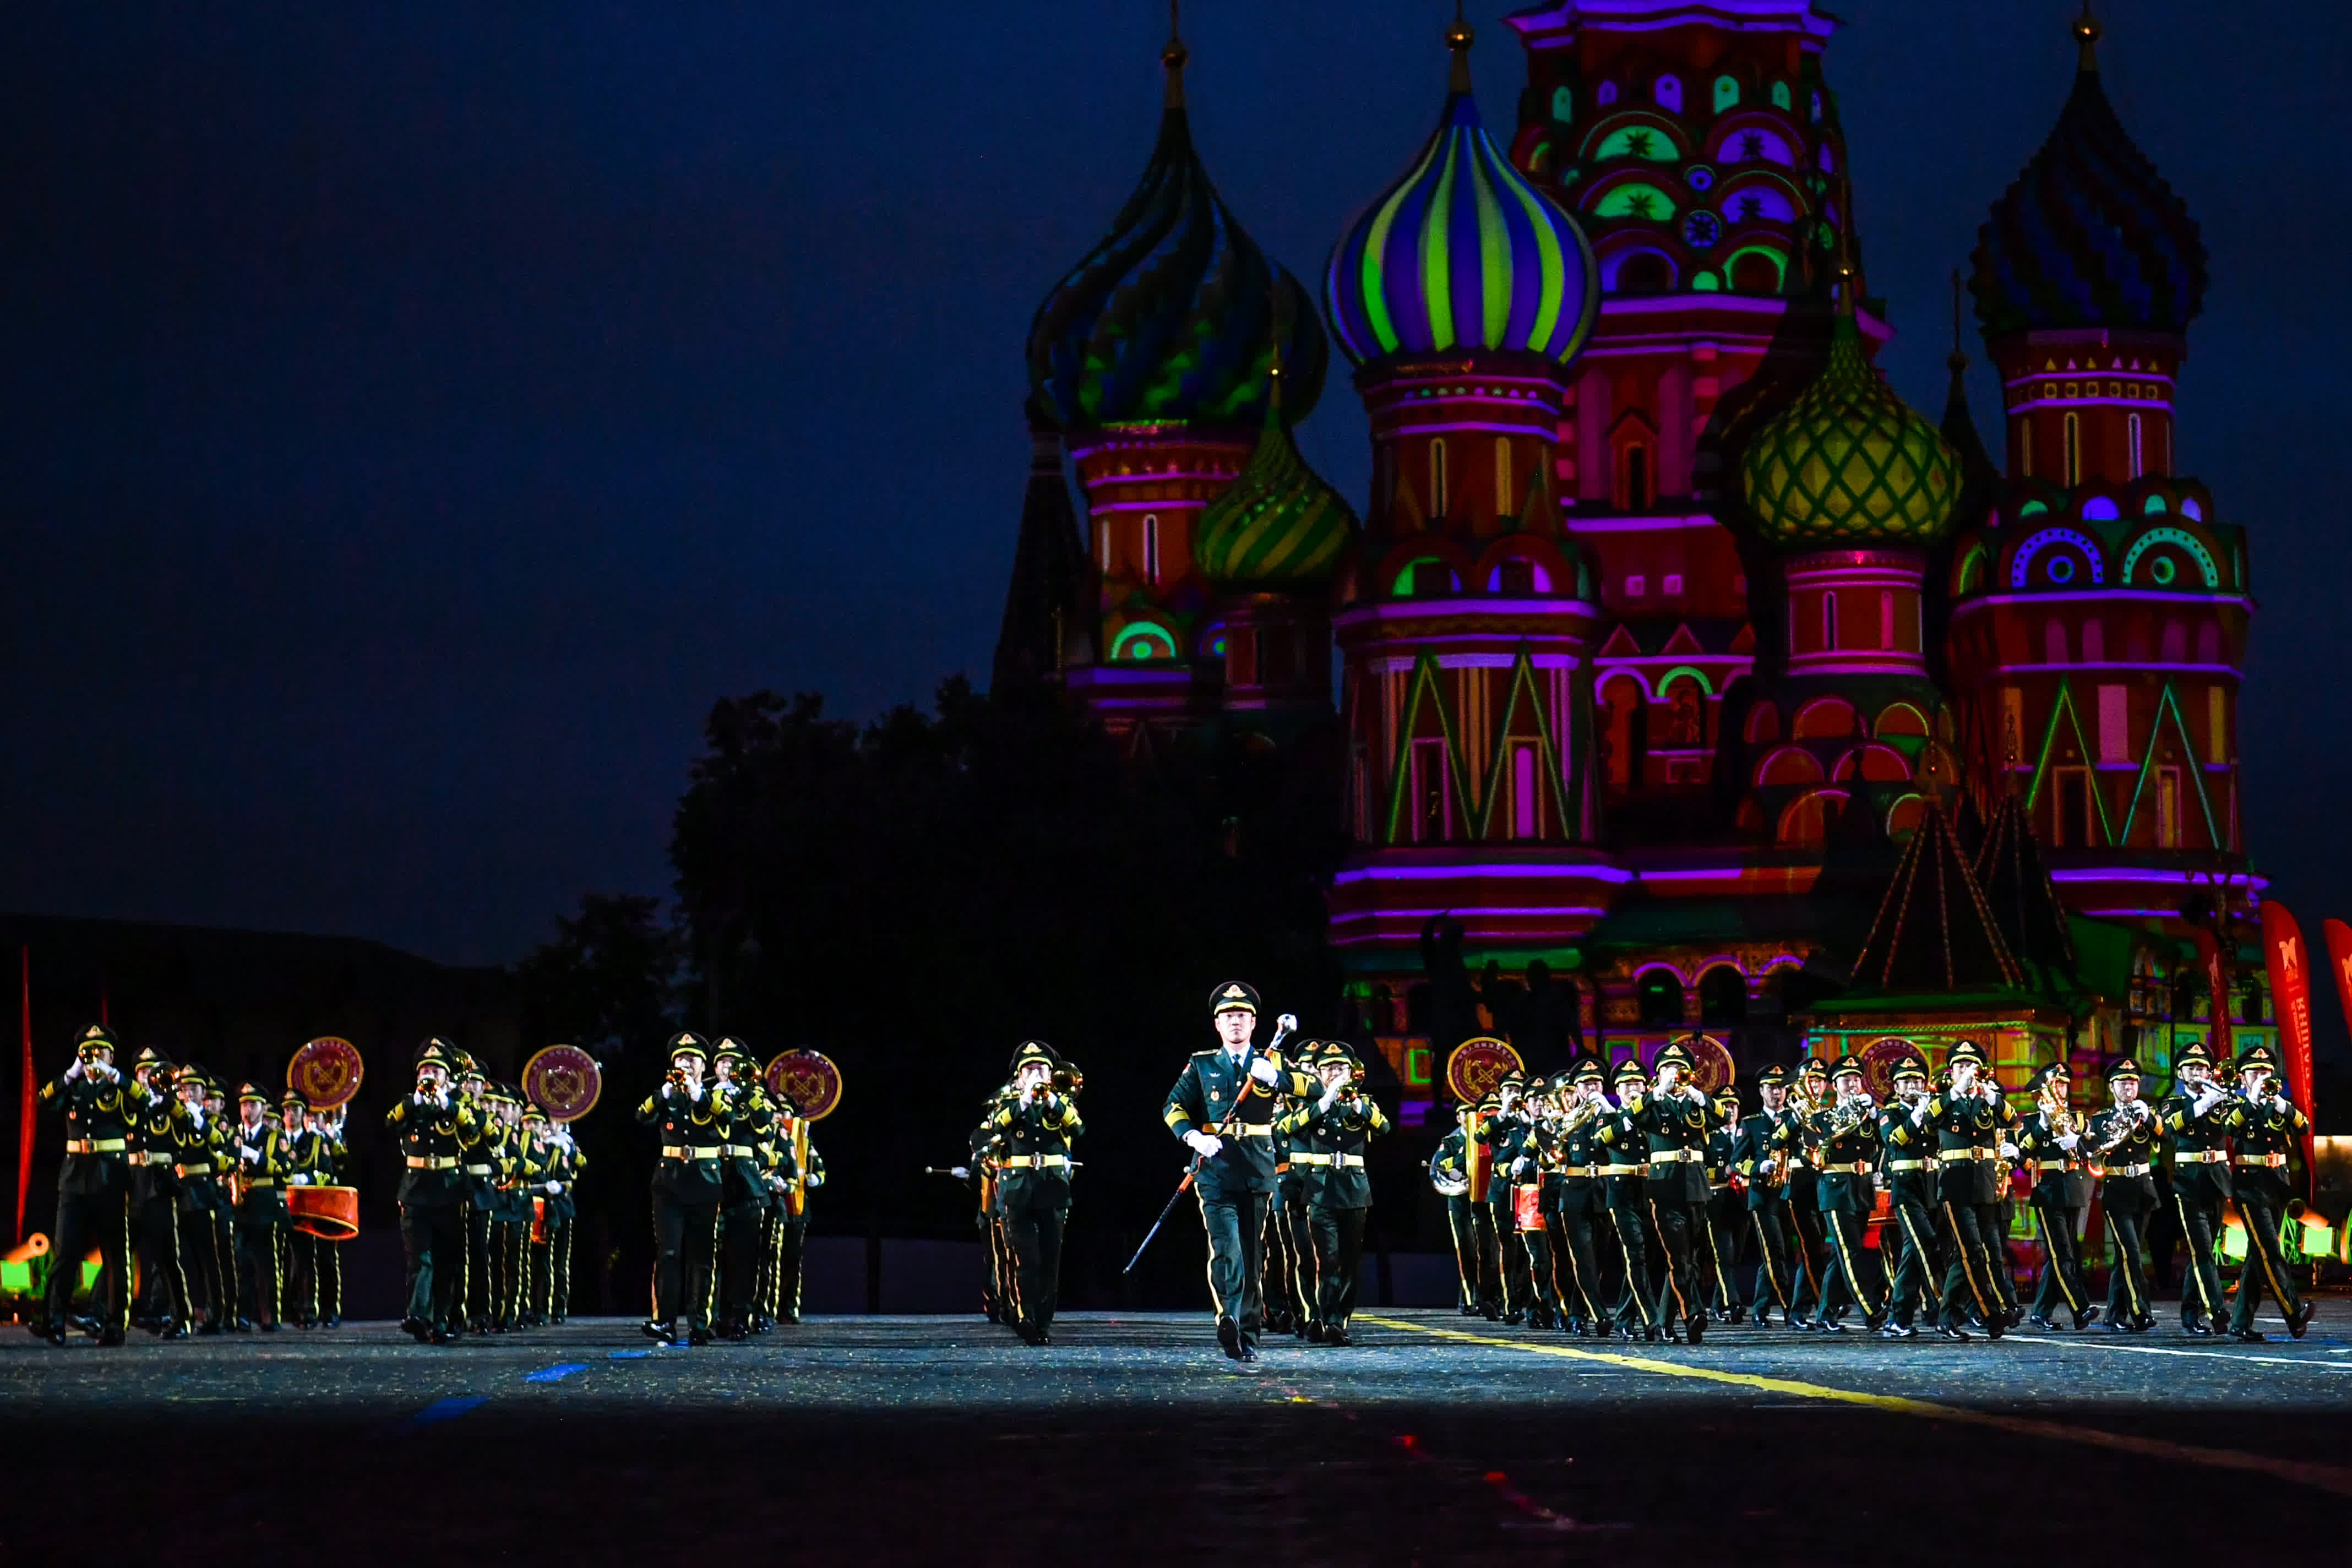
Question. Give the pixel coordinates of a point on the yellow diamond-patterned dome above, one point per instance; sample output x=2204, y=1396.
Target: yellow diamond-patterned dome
x=1849, y=462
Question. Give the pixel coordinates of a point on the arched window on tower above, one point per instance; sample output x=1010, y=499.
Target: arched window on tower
x=2074, y=448
x=1726, y=93
x=1502, y=498
x=1151, y=547
x=2133, y=426
x=1440, y=493
x=1637, y=476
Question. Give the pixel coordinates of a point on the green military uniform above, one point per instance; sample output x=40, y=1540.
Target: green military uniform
x=1626, y=1176
x=434, y=1128
x=1812, y=1247
x=2050, y=1142
x=689, y=1185
x=556, y=1170
x=2197, y=1130
x=2123, y=1139
x=1726, y=1210
x=99, y=1104
x=511, y=1221
x=206, y=1259
x=1231, y=1095
x=2264, y=1128
x=1847, y=1157
x=160, y=1131
x=1572, y=1196
x=333, y=1162
x=220, y=1125
x=1449, y=1174
x=1757, y=1160
x=987, y=1143
x=1532, y=1168
x=1036, y=1127
x=262, y=1167
x=1504, y=1131
x=1907, y=1164
x=1675, y=1125
x=309, y=1163
x=1972, y=1171
x=1328, y=1133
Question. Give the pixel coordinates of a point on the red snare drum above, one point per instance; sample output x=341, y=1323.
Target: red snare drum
x=331, y=1214
x=1527, y=1208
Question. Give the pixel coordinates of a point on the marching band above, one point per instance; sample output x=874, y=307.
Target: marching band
x=1588, y=1203
x=1670, y=1170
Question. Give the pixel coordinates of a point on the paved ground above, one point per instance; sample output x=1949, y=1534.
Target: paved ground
x=1435, y=1439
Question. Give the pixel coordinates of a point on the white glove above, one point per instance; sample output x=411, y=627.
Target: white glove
x=554, y=1189
x=297, y=1180
x=1330, y=1096
x=73, y=1070
x=1263, y=1070
x=2009, y=1151
x=250, y=1154
x=196, y=1115
x=694, y=1089
x=2069, y=1140
x=1919, y=1113
x=1204, y=1144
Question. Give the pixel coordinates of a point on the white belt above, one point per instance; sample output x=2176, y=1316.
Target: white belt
x=2201, y=1157
x=2262, y=1158
x=2115, y=1170
x=1034, y=1162
x=1668, y=1157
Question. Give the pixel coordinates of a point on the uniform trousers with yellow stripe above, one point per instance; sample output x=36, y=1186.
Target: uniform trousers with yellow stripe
x=1237, y=1221
x=261, y=1257
x=2199, y=1212
x=97, y=1214
x=2262, y=1197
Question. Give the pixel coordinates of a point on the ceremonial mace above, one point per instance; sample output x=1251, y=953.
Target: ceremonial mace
x=1282, y=1027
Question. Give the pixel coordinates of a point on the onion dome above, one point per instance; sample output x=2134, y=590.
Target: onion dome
x=1462, y=253
x=1848, y=462
x=2090, y=234
x=1280, y=524
x=1171, y=316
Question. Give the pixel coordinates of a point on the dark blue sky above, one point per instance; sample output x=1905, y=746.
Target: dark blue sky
x=413, y=415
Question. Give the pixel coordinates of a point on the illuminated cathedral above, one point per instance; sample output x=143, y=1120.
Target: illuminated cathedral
x=1678, y=661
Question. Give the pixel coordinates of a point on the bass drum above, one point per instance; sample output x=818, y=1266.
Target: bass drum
x=331, y=1214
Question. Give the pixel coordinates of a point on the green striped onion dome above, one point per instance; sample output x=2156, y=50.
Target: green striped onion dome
x=1280, y=524
x=1462, y=252
x=1849, y=463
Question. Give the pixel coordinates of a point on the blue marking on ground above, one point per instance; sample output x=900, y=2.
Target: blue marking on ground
x=447, y=1409
x=555, y=1373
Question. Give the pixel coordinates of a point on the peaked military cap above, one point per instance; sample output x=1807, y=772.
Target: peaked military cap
x=248, y=1092
x=1812, y=1067
x=1631, y=1068
x=434, y=1054
x=687, y=1043
x=294, y=1097
x=731, y=1048
x=2194, y=1051
x=1964, y=1051
x=96, y=1038
x=2122, y=1067
x=1848, y=1063
x=1908, y=1064
x=1587, y=1069
x=1029, y=1051
x=2257, y=1057
x=1775, y=1074
x=149, y=1057
x=1233, y=997
x=1674, y=1054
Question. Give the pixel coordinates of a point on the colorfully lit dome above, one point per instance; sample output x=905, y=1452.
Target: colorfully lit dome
x=1462, y=252
x=1280, y=524
x=2090, y=234
x=1171, y=316
x=1849, y=463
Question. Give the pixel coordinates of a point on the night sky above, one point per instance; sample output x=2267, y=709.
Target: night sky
x=412, y=416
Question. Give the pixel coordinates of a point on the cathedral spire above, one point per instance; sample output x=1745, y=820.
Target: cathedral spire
x=2087, y=32
x=1172, y=54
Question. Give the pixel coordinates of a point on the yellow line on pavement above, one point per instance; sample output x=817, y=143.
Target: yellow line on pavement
x=2332, y=1479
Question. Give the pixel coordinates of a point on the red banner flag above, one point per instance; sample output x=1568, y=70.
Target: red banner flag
x=2217, y=983
x=24, y=1123
x=2288, y=958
